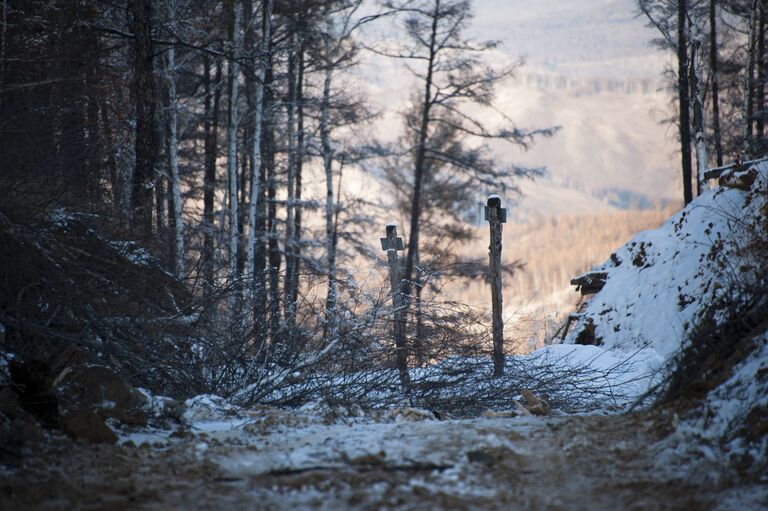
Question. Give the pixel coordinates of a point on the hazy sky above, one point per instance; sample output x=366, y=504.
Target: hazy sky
x=602, y=38
x=608, y=140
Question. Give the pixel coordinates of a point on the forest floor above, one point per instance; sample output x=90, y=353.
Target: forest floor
x=273, y=459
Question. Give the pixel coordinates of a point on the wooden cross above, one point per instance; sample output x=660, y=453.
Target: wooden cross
x=391, y=244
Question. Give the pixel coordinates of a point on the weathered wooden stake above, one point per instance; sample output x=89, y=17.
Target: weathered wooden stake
x=496, y=215
x=391, y=244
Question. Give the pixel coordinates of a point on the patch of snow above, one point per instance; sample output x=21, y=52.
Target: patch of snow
x=719, y=431
x=207, y=407
x=625, y=375
x=662, y=282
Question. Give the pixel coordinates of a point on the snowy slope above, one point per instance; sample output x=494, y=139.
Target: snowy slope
x=661, y=283
x=732, y=419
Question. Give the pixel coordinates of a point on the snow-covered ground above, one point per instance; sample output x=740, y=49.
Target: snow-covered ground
x=661, y=284
x=323, y=457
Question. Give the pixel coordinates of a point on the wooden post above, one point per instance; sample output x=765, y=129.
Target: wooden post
x=496, y=215
x=391, y=244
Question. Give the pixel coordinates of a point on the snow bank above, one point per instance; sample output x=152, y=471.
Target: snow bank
x=660, y=284
x=621, y=375
x=728, y=432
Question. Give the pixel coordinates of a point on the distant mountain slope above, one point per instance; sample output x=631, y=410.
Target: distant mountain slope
x=590, y=68
x=607, y=140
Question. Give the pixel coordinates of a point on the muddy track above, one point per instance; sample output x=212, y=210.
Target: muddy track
x=593, y=463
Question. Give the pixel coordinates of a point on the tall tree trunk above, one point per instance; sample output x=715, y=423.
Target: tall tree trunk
x=418, y=344
x=144, y=94
x=115, y=179
x=713, y=67
x=684, y=103
x=244, y=191
x=95, y=159
x=257, y=176
x=749, y=84
x=421, y=150
x=161, y=199
x=702, y=156
x=273, y=248
x=210, y=127
x=761, y=77
x=3, y=44
x=172, y=150
x=297, y=233
x=327, y=151
x=232, y=175
x=288, y=306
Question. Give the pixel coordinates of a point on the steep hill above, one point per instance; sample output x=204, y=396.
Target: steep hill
x=690, y=299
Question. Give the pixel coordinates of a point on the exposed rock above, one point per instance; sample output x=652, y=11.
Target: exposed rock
x=372, y=459
x=590, y=283
x=88, y=426
x=587, y=334
x=739, y=179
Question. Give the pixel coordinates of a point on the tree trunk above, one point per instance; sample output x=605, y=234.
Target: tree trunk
x=413, y=237
x=144, y=95
x=713, y=66
x=325, y=138
x=172, y=150
x=289, y=306
x=418, y=341
x=684, y=103
x=210, y=126
x=702, y=156
x=257, y=170
x=398, y=320
x=297, y=233
x=3, y=43
x=273, y=247
x=761, y=77
x=232, y=175
x=749, y=82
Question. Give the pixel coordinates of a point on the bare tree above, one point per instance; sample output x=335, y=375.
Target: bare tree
x=212, y=101
x=172, y=150
x=452, y=75
x=255, y=280
x=144, y=94
x=233, y=12
x=714, y=80
x=702, y=156
x=683, y=97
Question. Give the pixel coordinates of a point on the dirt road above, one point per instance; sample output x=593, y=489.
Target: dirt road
x=279, y=460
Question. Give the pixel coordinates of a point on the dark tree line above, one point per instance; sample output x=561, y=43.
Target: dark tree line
x=720, y=79
x=190, y=126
